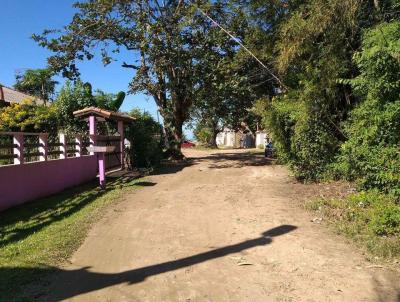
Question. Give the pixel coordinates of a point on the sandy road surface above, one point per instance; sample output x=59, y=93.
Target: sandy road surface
x=226, y=228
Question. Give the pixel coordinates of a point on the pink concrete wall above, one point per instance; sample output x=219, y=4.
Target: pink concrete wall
x=27, y=182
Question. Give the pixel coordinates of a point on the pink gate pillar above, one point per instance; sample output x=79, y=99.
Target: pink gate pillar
x=92, y=130
x=94, y=114
x=102, y=170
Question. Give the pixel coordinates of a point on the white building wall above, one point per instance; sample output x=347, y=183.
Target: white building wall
x=221, y=138
x=261, y=137
x=230, y=139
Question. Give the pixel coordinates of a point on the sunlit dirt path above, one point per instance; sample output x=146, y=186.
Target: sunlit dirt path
x=226, y=227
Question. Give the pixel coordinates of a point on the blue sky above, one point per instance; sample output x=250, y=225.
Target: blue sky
x=21, y=18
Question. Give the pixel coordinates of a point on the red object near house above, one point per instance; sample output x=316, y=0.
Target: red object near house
x=188, y=144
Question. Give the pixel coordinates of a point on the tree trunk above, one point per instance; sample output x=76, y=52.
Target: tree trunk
x=212, y=143
x=173, y=131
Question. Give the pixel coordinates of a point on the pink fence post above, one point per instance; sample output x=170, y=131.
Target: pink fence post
x=102, y=170
x=78, y=146
x=92, y=131
x=18, y=141
x=63, y=146
x=43, y=146
x=122, y=145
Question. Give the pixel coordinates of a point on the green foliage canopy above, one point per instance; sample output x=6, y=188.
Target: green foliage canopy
x=73, y=97
x=371, y=154
x=37, y=82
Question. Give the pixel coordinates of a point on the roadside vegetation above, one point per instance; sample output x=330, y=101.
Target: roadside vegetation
x=339, y=116
x=369, y=218
x=44, y=233
x=147, y=140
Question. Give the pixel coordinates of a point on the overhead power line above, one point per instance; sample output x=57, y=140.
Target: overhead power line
x=243, y=46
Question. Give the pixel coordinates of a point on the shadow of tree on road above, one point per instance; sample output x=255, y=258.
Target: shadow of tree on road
x=71, y=283
x=237, y=160
x=221, y=160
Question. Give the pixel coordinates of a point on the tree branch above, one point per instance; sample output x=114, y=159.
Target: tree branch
x=126, y=65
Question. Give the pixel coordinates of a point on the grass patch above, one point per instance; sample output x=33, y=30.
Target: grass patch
x=37, y=236
x=370, y=218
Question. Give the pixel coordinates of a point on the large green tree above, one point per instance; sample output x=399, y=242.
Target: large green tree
x=162, y=37
x=230, y=78
x=37, y=82
x=218, y=86
x=314, y=45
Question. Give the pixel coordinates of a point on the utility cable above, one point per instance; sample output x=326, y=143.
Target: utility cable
x=244, y=47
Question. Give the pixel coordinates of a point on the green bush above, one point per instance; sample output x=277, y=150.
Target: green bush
x=386, y=221
x=145, y=136
x=28, y=117
x=202, y=134
x=371, y=155
x=72, y=97
x=302, y=139
x=313, y=147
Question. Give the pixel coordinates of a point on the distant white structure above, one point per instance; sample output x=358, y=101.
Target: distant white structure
x=261, y=138
x=235, y=139
x=228, y=138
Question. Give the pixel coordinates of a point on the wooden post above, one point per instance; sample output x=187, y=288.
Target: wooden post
x=43, y=146
x=18, y=150
x=92, y=131
x=78, y=146
x=122, y=145
x=63, y=146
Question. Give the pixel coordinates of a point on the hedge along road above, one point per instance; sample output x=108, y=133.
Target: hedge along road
x=226, y=227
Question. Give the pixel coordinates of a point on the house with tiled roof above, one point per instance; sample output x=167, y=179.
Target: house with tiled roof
x=10, y=96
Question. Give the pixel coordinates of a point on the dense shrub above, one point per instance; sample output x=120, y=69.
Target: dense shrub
x=202, y=134
x=279, y=117
x=307, y=123
x=371, y=155
x=302, y=139
x=386, y=221
x=28, y=117
x=145, y=136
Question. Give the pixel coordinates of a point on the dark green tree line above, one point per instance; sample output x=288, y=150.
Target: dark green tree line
x=340, y=63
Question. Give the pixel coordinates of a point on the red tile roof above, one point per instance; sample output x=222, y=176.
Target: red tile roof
x=111, y=115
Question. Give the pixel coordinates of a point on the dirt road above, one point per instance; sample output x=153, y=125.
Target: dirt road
x=226, y=228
